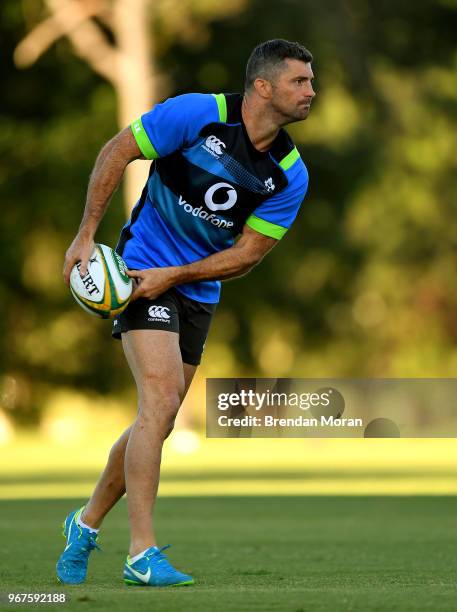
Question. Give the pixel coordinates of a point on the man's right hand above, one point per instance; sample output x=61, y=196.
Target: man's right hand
x=80, y=250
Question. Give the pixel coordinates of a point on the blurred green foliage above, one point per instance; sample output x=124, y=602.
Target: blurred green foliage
x=363, y=285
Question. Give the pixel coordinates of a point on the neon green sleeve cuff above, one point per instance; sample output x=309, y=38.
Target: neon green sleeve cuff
x=290, y=159
x=221, y=107
x=266, y=228
x=142, y=140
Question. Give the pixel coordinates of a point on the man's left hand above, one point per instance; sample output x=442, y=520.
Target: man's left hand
x=152, y=282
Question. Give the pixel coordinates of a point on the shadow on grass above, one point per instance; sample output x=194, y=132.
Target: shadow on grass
x=206, y=476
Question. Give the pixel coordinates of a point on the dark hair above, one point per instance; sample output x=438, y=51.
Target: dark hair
x=267, y=58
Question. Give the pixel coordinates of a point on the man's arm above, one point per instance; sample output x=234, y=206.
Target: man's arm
x=229, y=263
x=104, y=180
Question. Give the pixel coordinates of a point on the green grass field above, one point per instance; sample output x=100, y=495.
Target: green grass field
x=254, y=553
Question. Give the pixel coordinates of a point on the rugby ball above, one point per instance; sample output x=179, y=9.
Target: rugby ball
x=105, y=289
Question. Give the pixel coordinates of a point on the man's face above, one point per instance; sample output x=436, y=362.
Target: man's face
x=292, y=91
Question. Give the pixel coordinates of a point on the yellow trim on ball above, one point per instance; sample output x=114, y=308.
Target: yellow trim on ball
x=107, y=283
x=114, y=313
x=96, y=306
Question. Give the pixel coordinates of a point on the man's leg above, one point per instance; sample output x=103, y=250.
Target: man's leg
x=80, y=540
x=155, y=360
x=111, y=486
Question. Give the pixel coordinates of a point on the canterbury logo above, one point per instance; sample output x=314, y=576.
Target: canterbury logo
x=158, y=312
x=269, y=185
x=214, y=145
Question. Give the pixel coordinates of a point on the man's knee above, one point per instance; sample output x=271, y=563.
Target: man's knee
x=165, y=399
x=168, y=389
x=160, y=398
x=157, y=422
x=158, y=407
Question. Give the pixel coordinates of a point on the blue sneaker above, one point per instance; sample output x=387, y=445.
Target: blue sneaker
x=72, y=565
x=153, y=569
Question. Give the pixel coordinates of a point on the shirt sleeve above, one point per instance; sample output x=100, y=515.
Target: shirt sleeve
x=174, y=123
x=275, y=216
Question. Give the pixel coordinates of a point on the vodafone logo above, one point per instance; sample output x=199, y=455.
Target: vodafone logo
x=230, y=194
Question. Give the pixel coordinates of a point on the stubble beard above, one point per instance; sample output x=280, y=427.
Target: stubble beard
x=284, y=117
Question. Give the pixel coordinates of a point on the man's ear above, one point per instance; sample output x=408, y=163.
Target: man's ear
x=263, y=88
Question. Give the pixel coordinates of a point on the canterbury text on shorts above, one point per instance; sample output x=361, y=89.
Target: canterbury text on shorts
x=171, y=311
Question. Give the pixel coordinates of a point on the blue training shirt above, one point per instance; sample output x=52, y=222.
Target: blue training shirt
x=206, y=182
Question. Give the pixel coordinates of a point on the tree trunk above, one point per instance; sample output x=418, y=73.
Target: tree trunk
x=134, y=80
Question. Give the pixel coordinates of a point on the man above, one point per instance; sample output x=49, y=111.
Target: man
x=223, y=167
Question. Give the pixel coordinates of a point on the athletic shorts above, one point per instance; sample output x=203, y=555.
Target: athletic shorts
x=172, y=311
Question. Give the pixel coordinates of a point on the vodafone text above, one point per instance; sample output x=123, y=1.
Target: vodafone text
x=198, y=211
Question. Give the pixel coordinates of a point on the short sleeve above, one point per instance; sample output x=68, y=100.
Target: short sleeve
x=275, y=216
x=174, y=123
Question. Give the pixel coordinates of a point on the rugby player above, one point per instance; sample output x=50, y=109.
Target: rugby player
x=225, y=185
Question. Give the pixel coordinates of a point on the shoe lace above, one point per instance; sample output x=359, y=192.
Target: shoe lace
x=92, y=543
x=89, y=544
x=158, y=554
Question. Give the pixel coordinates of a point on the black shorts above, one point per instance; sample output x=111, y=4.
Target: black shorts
x=171, y=311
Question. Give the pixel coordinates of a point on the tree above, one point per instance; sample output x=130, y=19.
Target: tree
x=114, y=38
x=127, y=63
